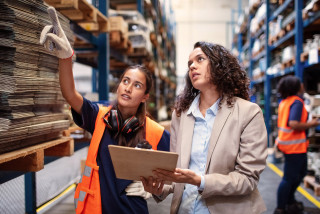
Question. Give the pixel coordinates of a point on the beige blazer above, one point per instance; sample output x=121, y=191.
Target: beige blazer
x=236, y=157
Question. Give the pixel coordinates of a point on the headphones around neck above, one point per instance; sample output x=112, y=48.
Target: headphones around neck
x=113, y=121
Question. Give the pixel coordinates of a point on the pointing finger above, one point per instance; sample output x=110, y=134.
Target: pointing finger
x=54, y=20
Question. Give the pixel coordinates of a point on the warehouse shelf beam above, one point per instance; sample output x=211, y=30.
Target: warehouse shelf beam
x=259, y=32
x=246, y=46
x=120, y=57
x=285, y=71
x=259, y=81
x=309, y=21
x=286, y=37
x=83, y=34
x=259, y=56
x=279, y=10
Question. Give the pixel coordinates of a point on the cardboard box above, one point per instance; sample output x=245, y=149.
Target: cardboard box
x=117, y=23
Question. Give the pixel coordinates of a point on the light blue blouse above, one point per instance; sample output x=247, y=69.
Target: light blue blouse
x=192, y=201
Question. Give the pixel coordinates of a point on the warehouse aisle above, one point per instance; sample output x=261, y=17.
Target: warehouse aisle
x=268, y=187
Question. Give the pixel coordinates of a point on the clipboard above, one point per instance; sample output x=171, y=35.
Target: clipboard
x=131, y=163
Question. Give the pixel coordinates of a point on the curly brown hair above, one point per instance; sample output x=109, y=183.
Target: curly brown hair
x=226, y=74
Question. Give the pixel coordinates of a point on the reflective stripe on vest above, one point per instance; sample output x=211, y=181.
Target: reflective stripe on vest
x=87, y=197
x=291, y=141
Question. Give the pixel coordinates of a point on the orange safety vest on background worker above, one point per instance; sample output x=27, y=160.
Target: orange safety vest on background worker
x=87, y=195
x=291, y=141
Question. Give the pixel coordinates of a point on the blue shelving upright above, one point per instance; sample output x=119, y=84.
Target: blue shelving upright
x=295, y=36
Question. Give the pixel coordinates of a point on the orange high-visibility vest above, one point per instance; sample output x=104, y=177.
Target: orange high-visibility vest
x=87, y=197
x=291, y=141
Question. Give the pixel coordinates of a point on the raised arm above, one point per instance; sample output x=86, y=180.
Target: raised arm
x=54, y=40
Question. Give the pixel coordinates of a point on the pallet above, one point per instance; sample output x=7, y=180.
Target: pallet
x=79, y=43
x=116, y=37
x=78, y=134
x=288, y=63
x=137, y=52
x=290, y=26
x=31, y=159
x=305, y=56
x=83, y=13
x=72, y=129
x=275, y=38
x=309, y=182
x=254, y=7
x=153, y=39
x=117, y=23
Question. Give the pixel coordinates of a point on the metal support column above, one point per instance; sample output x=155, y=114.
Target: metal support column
x=239, y=46
x=103, y=57
x=267, y=83
x=232, y=27
x=298, y=39
x=240, y=35
x=140, y=6
x=94, y=79
x=30, y=193
x=250, y=51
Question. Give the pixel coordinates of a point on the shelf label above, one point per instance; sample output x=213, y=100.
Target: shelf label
x=313, y=56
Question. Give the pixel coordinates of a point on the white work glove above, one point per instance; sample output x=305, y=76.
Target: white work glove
x=54, y=39
x=136, y=189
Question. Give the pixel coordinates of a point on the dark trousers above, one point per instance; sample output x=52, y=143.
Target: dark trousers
x=295, y=168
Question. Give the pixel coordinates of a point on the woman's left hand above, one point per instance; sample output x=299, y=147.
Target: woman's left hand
x=179, y=176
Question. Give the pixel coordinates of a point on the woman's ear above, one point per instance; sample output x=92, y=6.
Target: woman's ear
x=145, y=98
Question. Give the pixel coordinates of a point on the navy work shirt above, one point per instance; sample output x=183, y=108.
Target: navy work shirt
x=113, y=195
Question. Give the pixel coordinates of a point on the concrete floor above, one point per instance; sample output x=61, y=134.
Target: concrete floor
x=267, y=186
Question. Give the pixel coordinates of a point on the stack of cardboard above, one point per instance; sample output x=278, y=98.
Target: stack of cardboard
x=31, y=104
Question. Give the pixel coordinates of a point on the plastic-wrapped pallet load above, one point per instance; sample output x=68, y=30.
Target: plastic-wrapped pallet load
x=31, y=104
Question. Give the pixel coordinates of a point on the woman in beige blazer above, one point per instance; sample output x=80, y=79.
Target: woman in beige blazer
x=220, y=137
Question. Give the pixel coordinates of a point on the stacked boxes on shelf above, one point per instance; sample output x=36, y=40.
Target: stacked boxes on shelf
x=32, y=107
x=286, y=43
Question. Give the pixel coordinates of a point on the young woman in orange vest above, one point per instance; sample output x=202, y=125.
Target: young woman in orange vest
x=124, y=123
x=292, y=141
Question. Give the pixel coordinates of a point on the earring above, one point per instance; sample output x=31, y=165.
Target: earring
x=194, y=93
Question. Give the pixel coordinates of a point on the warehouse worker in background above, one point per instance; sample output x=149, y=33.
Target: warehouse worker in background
x=292, y=141
x=127, y=124
x=221, y=139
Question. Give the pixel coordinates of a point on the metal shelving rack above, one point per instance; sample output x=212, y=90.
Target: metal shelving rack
x=100, y=45
x=296, y=36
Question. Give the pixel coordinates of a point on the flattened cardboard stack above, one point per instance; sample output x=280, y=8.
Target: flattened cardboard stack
x=31, y=104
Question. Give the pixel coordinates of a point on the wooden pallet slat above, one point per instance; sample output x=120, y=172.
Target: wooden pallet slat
x=73, y=14
x=89, y=26
x=310, y=182
x=82, y=12
x=288, y=63
x=60, y=4
x=60, y=150
x=102, y=21
x=31, y=159
x=89, y=11
x=32, y=162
